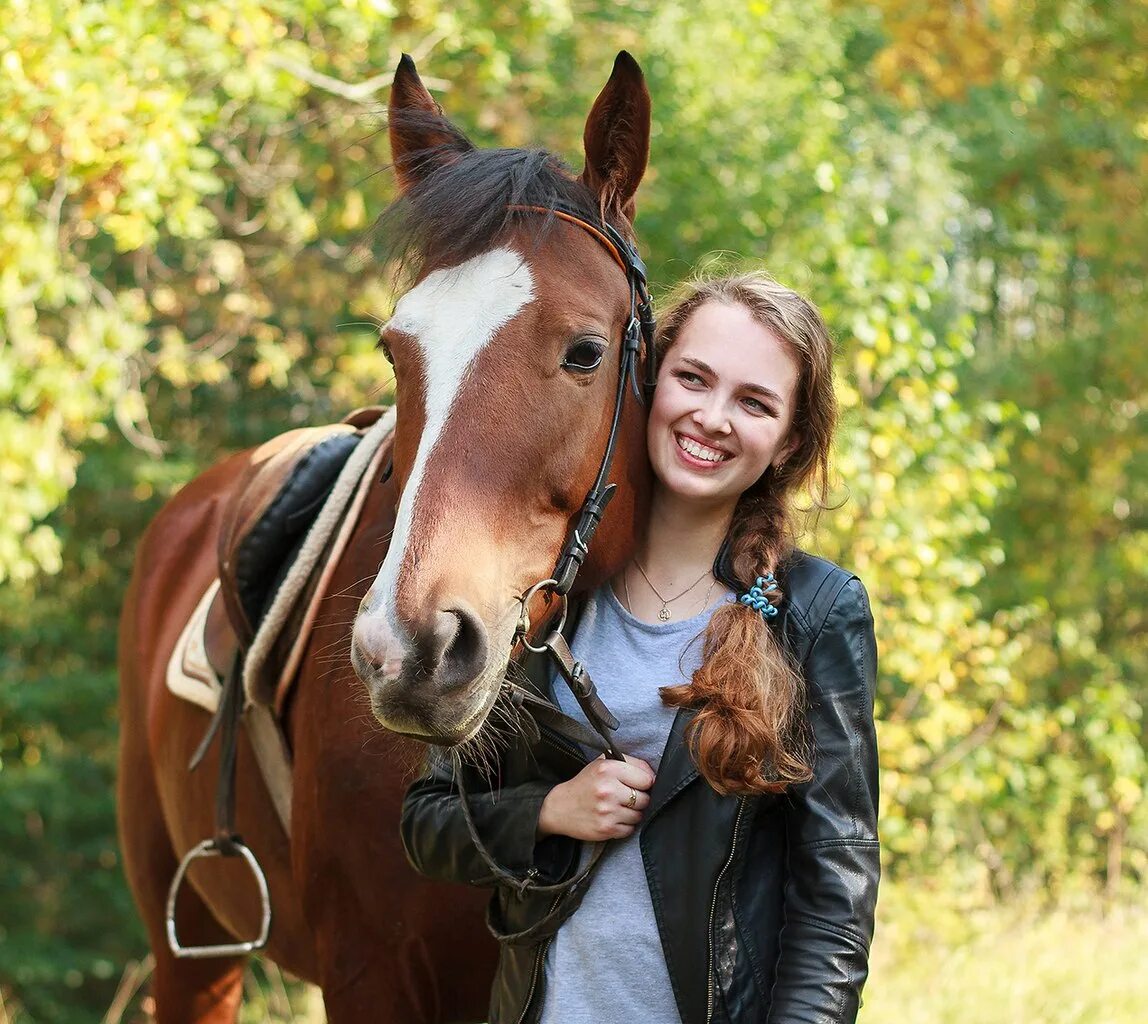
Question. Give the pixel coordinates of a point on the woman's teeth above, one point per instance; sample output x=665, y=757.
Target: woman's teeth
x=700, y=451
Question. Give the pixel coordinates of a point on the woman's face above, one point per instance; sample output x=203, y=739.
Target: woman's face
x=723, y=408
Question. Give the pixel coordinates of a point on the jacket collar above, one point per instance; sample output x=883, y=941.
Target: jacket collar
x=677, y=769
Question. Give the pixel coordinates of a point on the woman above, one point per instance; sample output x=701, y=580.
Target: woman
x=742, y=881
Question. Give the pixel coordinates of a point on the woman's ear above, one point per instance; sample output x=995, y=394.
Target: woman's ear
x=792, y=443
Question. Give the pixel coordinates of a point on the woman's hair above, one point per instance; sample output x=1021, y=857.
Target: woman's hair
x=749, y=732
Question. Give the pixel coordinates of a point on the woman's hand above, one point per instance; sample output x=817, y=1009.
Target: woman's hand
x=605, y=800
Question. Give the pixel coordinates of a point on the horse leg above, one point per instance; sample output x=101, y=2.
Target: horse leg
x=195, y=991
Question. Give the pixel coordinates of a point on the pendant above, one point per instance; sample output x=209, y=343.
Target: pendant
x=664, y=614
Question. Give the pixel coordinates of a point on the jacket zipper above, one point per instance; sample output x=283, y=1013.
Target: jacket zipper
x=713, y=910
x=537, y=964
x=560, y=741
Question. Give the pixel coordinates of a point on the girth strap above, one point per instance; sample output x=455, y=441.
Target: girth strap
x=224, y=723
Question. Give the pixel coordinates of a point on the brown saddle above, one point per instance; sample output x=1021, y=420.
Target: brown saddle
x=265, y=522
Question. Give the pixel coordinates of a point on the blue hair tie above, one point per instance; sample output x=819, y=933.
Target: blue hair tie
x=755, y=597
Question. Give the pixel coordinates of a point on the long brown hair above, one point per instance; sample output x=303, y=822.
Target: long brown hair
x=747, y=736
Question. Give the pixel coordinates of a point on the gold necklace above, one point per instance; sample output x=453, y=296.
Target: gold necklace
x=664, y=612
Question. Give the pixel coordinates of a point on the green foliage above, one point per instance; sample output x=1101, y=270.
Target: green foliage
x=68, y=924
x=1053, y=150
x=186, y=194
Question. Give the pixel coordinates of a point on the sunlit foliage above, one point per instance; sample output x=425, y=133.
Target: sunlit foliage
x=186, y=200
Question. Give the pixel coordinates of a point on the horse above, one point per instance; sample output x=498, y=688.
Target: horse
x=505, y=354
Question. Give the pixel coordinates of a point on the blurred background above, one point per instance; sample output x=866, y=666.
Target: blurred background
x=959, y=185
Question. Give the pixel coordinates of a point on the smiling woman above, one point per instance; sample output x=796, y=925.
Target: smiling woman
x=747, y=384
x=742, y=881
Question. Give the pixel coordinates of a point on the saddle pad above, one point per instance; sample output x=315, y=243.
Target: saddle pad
x=189, y=674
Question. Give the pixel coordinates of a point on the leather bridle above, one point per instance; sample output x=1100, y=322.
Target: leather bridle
x=639, y=331
x=639, y=328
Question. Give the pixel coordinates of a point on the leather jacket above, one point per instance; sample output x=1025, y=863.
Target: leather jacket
x=764, y=904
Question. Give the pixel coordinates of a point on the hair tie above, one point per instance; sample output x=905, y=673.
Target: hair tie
x=755, y=597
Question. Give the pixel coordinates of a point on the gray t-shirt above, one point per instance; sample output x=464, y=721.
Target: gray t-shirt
x=606, y=965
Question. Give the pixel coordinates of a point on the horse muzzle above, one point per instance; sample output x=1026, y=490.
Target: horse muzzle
x=434, y=679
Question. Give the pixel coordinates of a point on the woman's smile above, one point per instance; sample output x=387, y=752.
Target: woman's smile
x=695, y=452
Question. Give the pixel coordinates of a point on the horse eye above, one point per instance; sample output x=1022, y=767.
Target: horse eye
x=583, y=356
x=386, y=352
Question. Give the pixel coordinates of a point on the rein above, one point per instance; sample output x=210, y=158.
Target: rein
x=539, y=712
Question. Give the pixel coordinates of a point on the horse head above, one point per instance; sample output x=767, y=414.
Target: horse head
x=507, y=353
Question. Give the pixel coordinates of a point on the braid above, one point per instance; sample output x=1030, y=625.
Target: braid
x=745, y=737
x=749, y=733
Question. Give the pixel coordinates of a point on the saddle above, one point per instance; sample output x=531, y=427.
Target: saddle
x=284, y=527
x=267, y=519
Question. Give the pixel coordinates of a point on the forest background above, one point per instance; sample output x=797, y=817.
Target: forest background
x=960, y=186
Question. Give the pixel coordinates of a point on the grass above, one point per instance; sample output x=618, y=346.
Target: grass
x=938, y=958
x=934, y=963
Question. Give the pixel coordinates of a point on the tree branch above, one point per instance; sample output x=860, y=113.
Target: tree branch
x=357, y=92
x=973, y=740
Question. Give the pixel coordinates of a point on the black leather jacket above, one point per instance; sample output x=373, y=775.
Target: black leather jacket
x=764, y=904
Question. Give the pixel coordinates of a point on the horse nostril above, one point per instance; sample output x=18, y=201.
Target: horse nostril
x=367, y=663
x=462, y=646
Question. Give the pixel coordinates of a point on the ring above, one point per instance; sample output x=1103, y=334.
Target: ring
x=633, y=798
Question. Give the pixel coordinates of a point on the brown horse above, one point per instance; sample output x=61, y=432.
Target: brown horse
x=505, y=351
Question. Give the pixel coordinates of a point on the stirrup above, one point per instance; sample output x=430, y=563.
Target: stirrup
x=231, y=847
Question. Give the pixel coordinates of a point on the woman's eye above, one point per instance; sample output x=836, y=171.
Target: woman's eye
x=758, y=407
x=583, y=356
x=686, y=377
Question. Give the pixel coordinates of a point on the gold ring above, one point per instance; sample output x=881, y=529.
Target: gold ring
x=633, y=798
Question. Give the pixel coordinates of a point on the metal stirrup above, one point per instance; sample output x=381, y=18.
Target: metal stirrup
x=211, y=848
x=226, y=842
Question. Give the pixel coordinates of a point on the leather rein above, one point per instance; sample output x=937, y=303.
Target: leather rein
x=639, y=331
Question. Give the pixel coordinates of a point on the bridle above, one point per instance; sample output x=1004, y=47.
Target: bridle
x=639, y=330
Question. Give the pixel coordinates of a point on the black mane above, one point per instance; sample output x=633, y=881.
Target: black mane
x=464, y=204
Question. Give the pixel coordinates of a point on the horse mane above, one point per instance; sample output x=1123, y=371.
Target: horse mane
x=463, y=203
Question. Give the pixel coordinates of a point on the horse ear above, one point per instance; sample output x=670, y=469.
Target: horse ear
x=617, y=138
x=422, y=139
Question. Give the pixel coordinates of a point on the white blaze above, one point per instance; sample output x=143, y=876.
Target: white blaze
x=452, y=315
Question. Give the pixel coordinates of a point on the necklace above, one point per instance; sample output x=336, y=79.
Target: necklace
x=630, y=607
x=664, y=611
